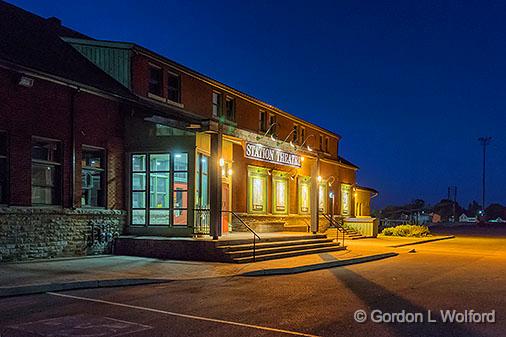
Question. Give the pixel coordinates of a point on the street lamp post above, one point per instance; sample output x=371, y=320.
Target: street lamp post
x=485, y=141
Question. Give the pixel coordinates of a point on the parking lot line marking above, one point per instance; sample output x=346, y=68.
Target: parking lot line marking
x=215, y=320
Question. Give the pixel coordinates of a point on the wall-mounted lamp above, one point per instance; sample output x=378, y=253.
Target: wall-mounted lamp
x=26, y=81
x=304, y=142
x=319, y=179
x=267, y=132
x=222, y=162
x=331, y=180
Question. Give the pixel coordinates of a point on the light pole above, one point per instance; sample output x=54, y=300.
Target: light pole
x=484, y=142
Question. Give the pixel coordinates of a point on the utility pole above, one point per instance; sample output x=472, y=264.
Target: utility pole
x=485, y=141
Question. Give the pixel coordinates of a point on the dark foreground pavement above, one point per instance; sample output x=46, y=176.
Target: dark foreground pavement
x=460, y=274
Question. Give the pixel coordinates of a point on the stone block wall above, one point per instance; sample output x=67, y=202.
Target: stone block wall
x=34, y=233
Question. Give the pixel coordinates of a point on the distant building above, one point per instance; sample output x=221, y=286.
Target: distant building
x=464, y=218
x=497, y=220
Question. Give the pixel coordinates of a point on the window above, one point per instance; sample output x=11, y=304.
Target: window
x=304, y=184
x=230, y=107
x=217, y=101
x=272, y=124
x=263, y=121
x=257, y=190
x=280, y=193
x=322, y=197
x=166, y=179
x=327, y=144
x=174, y=87
x=321, y=143
x=4, y=177
x=46, y=172
x=155, y=80
x=302, y=134
x=345, y=199
x=93, y=177
x=295, y=134
x=180, y=189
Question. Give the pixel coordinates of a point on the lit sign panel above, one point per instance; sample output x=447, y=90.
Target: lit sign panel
x=271, y=155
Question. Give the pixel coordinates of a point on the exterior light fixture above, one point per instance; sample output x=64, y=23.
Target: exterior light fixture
x=267, y=132
x=301, y=158
x=223, y=172
x=222, y=162
x=331, y=180
x=319, y=178
x=305, y=140
x=272, y=138
x=229, y=172
x=26, y=82
x=291, y=144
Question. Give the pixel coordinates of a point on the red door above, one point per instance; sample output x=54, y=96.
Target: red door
x=225, y=206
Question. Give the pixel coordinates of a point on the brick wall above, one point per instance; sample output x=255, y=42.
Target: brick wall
x=34, y=233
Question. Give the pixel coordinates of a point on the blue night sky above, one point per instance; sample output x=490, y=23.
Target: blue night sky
x=409, y=85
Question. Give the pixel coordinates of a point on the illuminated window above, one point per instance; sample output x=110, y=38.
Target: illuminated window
x=345, y=199
x=280, y=193
x=166, y=179
x=4, y=176
x=257, y=190
x=322, y=197
x=217, y=101
x=155, y=80
x=92, y=177
x=46, y=172
x=304, y=195
x=174, y=87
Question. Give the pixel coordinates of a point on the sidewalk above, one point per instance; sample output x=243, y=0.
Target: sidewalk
x=108, y=270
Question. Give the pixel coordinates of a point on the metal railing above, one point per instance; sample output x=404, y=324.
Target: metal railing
x=202, y=225
x=255, y=235
x=335, y=223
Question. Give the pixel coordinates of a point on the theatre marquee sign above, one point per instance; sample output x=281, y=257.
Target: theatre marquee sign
x=271, y=155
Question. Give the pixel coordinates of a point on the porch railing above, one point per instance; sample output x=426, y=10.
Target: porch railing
x=202, y=224
x=336, y=224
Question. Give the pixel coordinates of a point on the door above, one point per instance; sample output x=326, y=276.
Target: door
x=225, y=201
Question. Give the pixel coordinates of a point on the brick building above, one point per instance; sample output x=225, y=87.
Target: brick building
x=101, y=137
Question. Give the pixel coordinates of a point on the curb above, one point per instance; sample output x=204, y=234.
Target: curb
x=318, y=266
x=43, y=288
x=424, y=241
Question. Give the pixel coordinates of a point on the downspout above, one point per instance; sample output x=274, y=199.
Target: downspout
x=73, y=145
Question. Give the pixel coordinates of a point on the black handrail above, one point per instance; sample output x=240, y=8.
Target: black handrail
x=255, y=235
x=337, y=225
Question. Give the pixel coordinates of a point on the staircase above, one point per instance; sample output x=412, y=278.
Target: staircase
x=337, y=234
x=241, y=251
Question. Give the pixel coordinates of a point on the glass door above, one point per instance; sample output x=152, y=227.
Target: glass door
x=202, y=193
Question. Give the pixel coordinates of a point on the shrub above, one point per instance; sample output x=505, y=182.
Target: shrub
x=407, y=230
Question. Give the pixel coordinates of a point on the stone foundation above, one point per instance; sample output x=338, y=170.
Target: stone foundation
x=34, y=233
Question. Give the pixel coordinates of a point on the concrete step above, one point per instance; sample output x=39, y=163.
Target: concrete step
x=292, y=253
x=225, y=242
x=298, y=228
x=272, y=244
x=271, y=250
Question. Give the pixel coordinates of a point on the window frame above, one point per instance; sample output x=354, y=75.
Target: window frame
x=321, y=142
x=102, y=170
x=176, y=89
x=262, y=121
x=58, y=166
x=302, y=134
x=327, y=141
x=160, y=81
x=273, y=119
x=218, y=104
x=230, y=114
x=295, y=134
